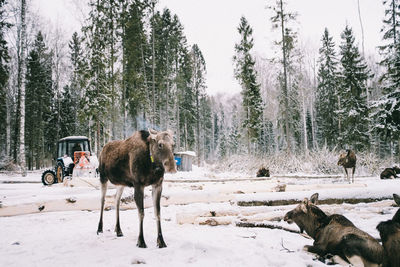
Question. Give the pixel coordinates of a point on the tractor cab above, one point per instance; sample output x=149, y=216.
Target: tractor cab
x=68, y=145
x=73, y=157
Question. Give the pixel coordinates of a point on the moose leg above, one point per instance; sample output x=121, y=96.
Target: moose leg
x=103, y=197
x=139, y=192
x=352, y=176
x=315, y=249
x=156, y=193
x=120, y=190
x=347, y=174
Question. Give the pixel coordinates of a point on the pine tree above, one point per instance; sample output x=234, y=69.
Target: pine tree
x=39, y=121
x=67, y=109
x=135, y=90
x=390, y=29
x=216, y=129
x=387, y=109
x=77, y=85
x=111, y=16
x=186, y=100
x=309, y=130
x=246, y=74
x=234, y=132
x=327, y=100
x=198, y=84
x=289, y=98
x=97, y=98
x=205, y=126
x=353, y=77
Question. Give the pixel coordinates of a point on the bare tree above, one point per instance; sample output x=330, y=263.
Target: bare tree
x=21, y=89
x=280, y=19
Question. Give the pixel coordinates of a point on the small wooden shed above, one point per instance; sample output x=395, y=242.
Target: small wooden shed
x=184, y=160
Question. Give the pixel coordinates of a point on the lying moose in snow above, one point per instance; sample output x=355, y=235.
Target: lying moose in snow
x=348, y=161
x=390, y=235
x=335, y=234
x=390, y=173
x=137, y=161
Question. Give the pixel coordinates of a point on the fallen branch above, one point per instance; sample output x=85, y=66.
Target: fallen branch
x=265, y=225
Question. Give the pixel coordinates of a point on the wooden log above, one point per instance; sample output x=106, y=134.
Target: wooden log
x=214, y=221
x=329, y=201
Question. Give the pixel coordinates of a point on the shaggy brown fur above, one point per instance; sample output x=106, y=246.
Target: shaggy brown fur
x=138, y=161
x=390, y=173
x=334, y=234
x=348, y=161
x=390, y=235
x=263, y=172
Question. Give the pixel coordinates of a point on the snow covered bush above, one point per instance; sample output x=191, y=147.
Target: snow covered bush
x=7, y=164
x=322, y=161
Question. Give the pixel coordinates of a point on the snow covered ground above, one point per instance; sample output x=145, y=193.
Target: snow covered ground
x=65, y=235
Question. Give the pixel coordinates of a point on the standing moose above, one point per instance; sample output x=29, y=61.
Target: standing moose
x=348, y=161
x=137, y=161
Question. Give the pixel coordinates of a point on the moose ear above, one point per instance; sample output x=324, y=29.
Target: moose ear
x=304, y=205
x=396, y=198
x=151, y=131
x=153, y=135
x=170, y=132
x=314, y=198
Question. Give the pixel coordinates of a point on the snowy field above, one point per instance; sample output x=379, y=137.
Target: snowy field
x=64, y=232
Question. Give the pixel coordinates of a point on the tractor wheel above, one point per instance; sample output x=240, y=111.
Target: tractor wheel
x=59, y=172
x=48, y=177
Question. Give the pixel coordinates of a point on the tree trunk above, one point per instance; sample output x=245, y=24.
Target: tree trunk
x=339, y=117
x=398, y=150
x=178, y=129
x=314, y=139
x=8, y=127
x=153, y=68
x=285, y=87
x=124, y=107
x=305, y=124
x=98, y=138
x=198, y=128
x=113, y=108
x=21, y=156
x=186, y=135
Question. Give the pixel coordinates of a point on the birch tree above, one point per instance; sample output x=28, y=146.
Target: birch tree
x=19, y=154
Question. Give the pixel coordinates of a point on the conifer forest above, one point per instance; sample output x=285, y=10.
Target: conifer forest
x=130, y=67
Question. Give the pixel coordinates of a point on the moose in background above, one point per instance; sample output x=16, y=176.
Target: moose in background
x=390, y=173
x=348, y=160
x=263, y=172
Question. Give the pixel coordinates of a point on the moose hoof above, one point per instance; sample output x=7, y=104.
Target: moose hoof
x=141, y=244
x=119, y=234
x=99, y=231
x=161, y=244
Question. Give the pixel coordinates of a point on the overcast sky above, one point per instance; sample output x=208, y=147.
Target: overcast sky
x=212, y=24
